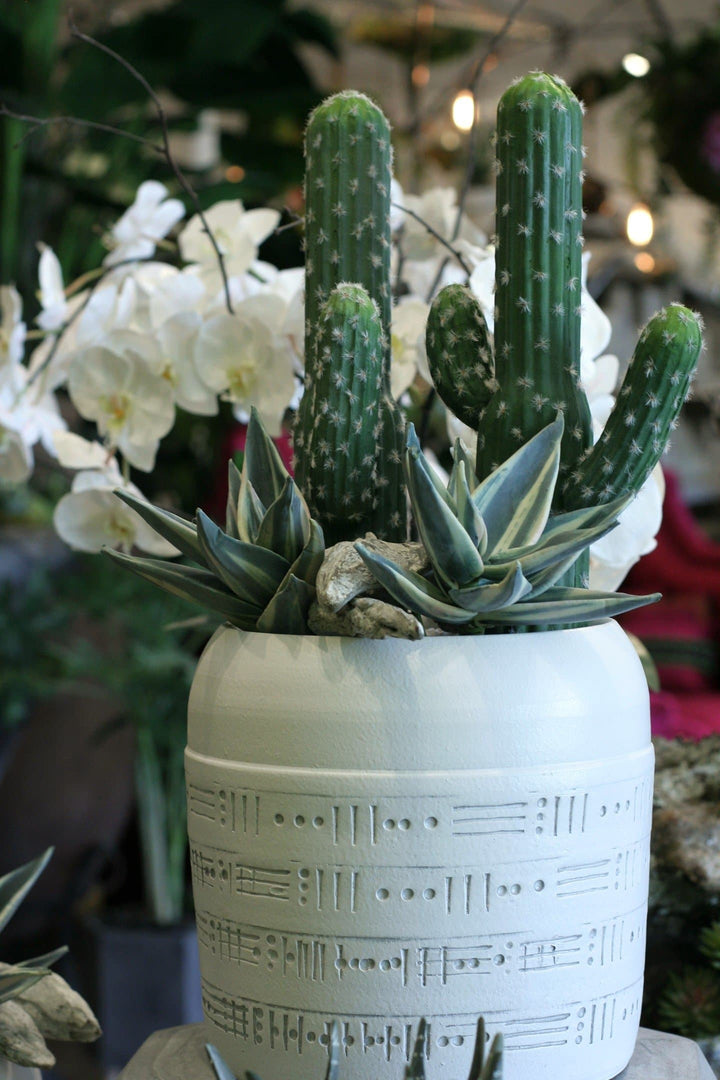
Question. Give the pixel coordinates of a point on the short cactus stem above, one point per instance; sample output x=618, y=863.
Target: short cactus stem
x=347, y=239
x=347, y=400
x=653, y=392
x=460, y=353
x=537, y=273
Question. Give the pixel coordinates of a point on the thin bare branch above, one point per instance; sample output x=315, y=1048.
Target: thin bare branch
x=433, y=232
x=102, y=276
x=39, y=122
x=167, y=152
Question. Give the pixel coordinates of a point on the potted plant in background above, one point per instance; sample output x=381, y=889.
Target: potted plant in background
x=387, y=829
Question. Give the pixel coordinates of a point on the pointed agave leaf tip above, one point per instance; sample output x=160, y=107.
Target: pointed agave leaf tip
x=221, y=1070
x=15, y=885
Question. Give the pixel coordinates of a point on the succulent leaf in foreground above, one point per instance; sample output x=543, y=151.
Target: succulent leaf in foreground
x=483, y=1067
x=36, y=1004
x=259, y=573
x=496, y=553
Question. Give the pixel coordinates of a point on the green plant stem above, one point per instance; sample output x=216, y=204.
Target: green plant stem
x=153, y=820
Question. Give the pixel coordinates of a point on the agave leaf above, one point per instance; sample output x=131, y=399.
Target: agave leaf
x=15, y=886
x=46, y=960
x=416, y=1068
x=467, y=512
x=249, y=512
x=559, y=605
x=233, y=499
x=476, y=1066
x=333, y=1069
x=515, y=499
x=287, y=611
x=285, y=529
x=569, y=523
x=221, y=1070
x=455, y=559
x=311, y=557
x=252, y=573
x=174, y=529
x=537, y=557
x=15, y=980
x=412, y=591
x=191, y=583
x=493, y=1066
x=262, y=463
x=492, y=597
x=414, y=451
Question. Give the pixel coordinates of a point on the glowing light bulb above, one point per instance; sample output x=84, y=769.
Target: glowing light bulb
x=640, y=225
x=644, y=262
x=636, y=65
x=463, y=110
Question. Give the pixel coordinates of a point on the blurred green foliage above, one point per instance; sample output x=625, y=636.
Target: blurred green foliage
x=65, y=184
x=141, y=652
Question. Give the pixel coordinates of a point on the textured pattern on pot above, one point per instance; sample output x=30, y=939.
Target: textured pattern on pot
x=387, y=830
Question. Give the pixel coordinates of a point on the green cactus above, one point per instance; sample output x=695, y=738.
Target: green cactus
x=495, y=552
x=532, y=373
x=259, y=573
x=347, y=240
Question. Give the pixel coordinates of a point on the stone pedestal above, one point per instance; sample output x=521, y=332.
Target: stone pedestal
x=179, y=1054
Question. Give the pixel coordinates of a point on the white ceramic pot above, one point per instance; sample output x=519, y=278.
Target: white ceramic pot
x=386, y=830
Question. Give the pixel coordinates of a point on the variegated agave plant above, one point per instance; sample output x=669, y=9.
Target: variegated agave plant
x=259, y=573
x=495, y=551
x=482, y=1067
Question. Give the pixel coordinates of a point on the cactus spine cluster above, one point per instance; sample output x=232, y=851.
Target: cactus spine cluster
x=510, y=392
x=349, y=431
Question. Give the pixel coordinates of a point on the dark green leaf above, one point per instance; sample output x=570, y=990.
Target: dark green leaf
x=485, y=597
x=515, y=499
x=310, y=559
x=285, y=529
x=453, y=554
x=191, y=583
x=263, y=465
x=252, y=573
x=14, y=980
x=411, y=591
x=15, y=886
x=176, y=530
x=287, y=611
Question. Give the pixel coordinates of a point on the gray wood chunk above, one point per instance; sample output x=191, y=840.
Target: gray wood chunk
x=343, y=575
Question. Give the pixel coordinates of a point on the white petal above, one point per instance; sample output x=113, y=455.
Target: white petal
x=74, y=452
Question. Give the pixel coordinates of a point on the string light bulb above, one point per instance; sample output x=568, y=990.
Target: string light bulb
x=636, y=65
x=640, y=225
x=463, y=110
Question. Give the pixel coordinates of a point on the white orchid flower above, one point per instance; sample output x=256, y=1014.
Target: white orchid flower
x=407, y=340
x=169, y=352
x=237, y=231
x=437, y=207
x=12, y=328
x=131, y=405
x=55, y=308
x=150, y=218
x=28, y=415
x=91, y=517
x=243, y=358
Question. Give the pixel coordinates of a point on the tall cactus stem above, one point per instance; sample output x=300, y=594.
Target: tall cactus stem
x=537, y=273
x=346, y=399
x=347, y=239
